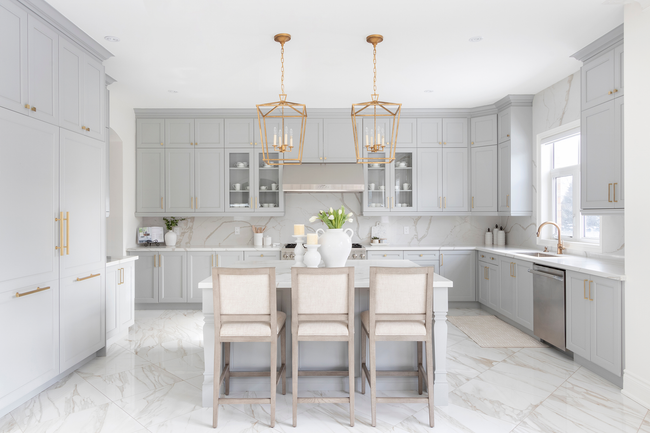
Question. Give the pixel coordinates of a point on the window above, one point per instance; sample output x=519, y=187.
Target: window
x=560, y=192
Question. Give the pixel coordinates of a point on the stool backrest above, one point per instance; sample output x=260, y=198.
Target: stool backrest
x=244, y=292
x=401, y=290
x=322, y=290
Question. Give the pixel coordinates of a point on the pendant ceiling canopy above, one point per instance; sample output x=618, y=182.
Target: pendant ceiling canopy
x=278, y=121
x=380, y=122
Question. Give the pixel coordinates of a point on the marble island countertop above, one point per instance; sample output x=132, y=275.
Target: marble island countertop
x=613, y=269
x=118, y=260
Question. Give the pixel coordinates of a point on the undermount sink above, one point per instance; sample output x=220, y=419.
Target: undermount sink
x=545, y=255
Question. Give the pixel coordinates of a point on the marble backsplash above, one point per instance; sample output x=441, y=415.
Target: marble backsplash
x=426, y=231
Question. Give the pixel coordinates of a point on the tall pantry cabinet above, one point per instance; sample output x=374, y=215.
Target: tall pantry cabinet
x=53, y=177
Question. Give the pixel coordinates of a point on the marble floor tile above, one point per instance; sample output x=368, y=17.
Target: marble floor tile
x=117, y=360
x=9, y=425
x=459, y=373
x=105, y=418
x=142, y=316
x=645, y=425
x=69, y=395
x=453, y=419
x=200, y=421
x=168, y=350
x=160, y=405
x=186, y=367
x=196, y=381
x=474, y=356
x=127, y=383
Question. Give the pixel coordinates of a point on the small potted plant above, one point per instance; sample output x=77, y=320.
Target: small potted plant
x=170, y=236
x=335, y=243
x=375, y=240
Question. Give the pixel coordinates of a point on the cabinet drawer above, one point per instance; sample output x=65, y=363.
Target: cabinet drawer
x=385, y=255
x=488, y=258
x=260, y=256
x=418, y=256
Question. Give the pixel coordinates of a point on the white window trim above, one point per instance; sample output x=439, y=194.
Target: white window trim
x=547, y=236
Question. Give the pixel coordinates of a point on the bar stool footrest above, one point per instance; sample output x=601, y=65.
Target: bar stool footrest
x=244, y=400
x=317, y=400
x=402, y=399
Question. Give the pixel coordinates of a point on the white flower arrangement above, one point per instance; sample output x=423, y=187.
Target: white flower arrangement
x=334, y=219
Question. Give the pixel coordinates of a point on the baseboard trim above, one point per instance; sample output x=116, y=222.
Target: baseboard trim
x=170, y=306
x=5, y=410
x=636, y=388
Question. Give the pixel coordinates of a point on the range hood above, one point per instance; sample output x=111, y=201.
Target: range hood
x=323, y=178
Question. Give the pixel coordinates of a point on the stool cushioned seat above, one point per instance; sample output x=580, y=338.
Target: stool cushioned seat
x=385, y=327
x=251, y=329
x=323, y=328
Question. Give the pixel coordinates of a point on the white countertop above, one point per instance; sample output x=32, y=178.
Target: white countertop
x=613, y=269
x=361, y=272
x=118, y=260
x=181, y=249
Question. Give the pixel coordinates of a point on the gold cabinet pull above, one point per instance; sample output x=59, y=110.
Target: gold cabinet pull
x=384, y=255
x=122, y=276
x=615, y=90
x=60, y=220
x=492, y=258
x=161, y=203
x=38, y=289
x=615, y=201
x=28, y=106
x=421, y=255
x=590, y=298
x=154, y=260
x=445, y=202
x=584, y=290
x=609, y=192
x=67, y=234
x=217, y=259
x=442, y=259
x=34, y=109
x=610, y=92
x=482, y=256
x=88, y=277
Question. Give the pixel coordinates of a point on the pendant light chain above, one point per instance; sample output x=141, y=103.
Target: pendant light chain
x=282, y=68
x=374, y=69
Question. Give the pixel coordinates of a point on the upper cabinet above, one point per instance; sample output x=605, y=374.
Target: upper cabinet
x=454, y=132
x=240, y=132
x=150, y=133
x=179, y=133
x=13, y=52
x=483, y=130
x=503, y=126
x=484, y=193
x=406, y=133
x=447, y=132
x=43, y=63
x=209, y=133
x=429, y=132
x=602, y=78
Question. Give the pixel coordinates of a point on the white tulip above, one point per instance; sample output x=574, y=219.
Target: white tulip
x=340, y=211
x=350, y=220
x=320, y=211
x=331, y=210
x=331, y=217
x=313, y=219
x=350, y=215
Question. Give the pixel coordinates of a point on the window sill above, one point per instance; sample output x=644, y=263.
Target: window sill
x=586, y=247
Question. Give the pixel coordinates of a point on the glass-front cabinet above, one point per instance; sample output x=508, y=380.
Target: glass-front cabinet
x=252, y=185
x=390, y=187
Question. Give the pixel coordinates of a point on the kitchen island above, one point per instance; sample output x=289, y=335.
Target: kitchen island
x=332, y=355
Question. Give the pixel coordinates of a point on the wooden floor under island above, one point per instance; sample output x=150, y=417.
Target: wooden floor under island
x=332, y=355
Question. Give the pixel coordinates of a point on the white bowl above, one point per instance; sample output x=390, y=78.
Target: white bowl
x=263, y=188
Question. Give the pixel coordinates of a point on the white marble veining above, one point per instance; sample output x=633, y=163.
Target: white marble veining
x=499, y=391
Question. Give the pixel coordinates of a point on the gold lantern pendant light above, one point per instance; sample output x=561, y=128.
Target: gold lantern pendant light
x=283, y=114
x=378, y=137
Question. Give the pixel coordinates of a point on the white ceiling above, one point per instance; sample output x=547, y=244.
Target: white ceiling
x=221, y=54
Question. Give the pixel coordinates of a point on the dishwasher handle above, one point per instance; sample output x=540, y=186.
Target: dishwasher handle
x=544, y=274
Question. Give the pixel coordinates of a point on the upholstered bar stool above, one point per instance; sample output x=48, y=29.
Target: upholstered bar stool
x=322, y=304
x=245, y=310
x=401, y=307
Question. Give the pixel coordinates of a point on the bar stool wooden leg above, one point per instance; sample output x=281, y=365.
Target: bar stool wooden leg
x=351, y=377
x=226, y=359
x=294, y=377
x=429, y=348
x=420, y=378
x=364, y=361
x=373, y=381
x=283, y=359
x=274, y=375
x=216, y=382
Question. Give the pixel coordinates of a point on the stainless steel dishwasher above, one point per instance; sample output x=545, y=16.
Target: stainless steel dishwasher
x=549, y=314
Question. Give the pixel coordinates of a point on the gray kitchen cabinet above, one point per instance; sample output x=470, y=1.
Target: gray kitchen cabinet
x=179, y=180
x=200, y=264
x=150, y=133
x=71, y=60
x=240, y=180
x=208, y=180
x=601, y=156
x=240, y=132
x=227, y=258
x=266, y=199
x=619, y=70
x=338, y=140
x=146, y=277
x=125, y=296
x=209, y=133
x=113, y=278
x=484, y=173
x=261, y=256
x=406, y=134
x=399, y=181
x=454, y=132
x=602, y=78
x=524, y=293
x=377, y=176
x=150, y=180
x=515, y=156
x=507, y=287
x=313, y=148
x=483, y=131
x=94, y=98
x=483, y=283
x=43, y=64
x=430, y=183
x=13, y=52
x=459, y=266
x=504, y=125
x=119, y=298
x=455, y=180
x=594, y=320
x=489, y=284
x=429, y=132
x=504, y=175
x=179, y=133
x=172, y=283
x=424, y=258
x=619, y=130
x=385, y=255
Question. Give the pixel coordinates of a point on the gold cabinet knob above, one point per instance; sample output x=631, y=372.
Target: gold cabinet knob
x=440, y=142
x=482, y=256
x=492, y=258
x=83, y=127
x=28, y=106
x=251, y=143
x=472, y=142
x=615, y=90
x=384, y=255
x=508, y=135
x=261, y=255
x=444, y=142
x=421, y=255
x=34, y=109
x=161, y=144
x=610, y=92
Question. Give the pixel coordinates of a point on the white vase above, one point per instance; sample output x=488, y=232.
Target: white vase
x=170, y=239
x=335, y=246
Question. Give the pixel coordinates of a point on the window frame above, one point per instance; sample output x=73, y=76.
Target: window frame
x=546, y=192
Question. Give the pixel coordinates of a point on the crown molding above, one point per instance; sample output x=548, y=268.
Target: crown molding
x=109, y=80
x=604, y=42
x=46, y=12
x=515, y=101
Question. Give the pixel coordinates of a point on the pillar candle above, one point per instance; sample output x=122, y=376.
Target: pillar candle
x=312, y=239
x=298, y=229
